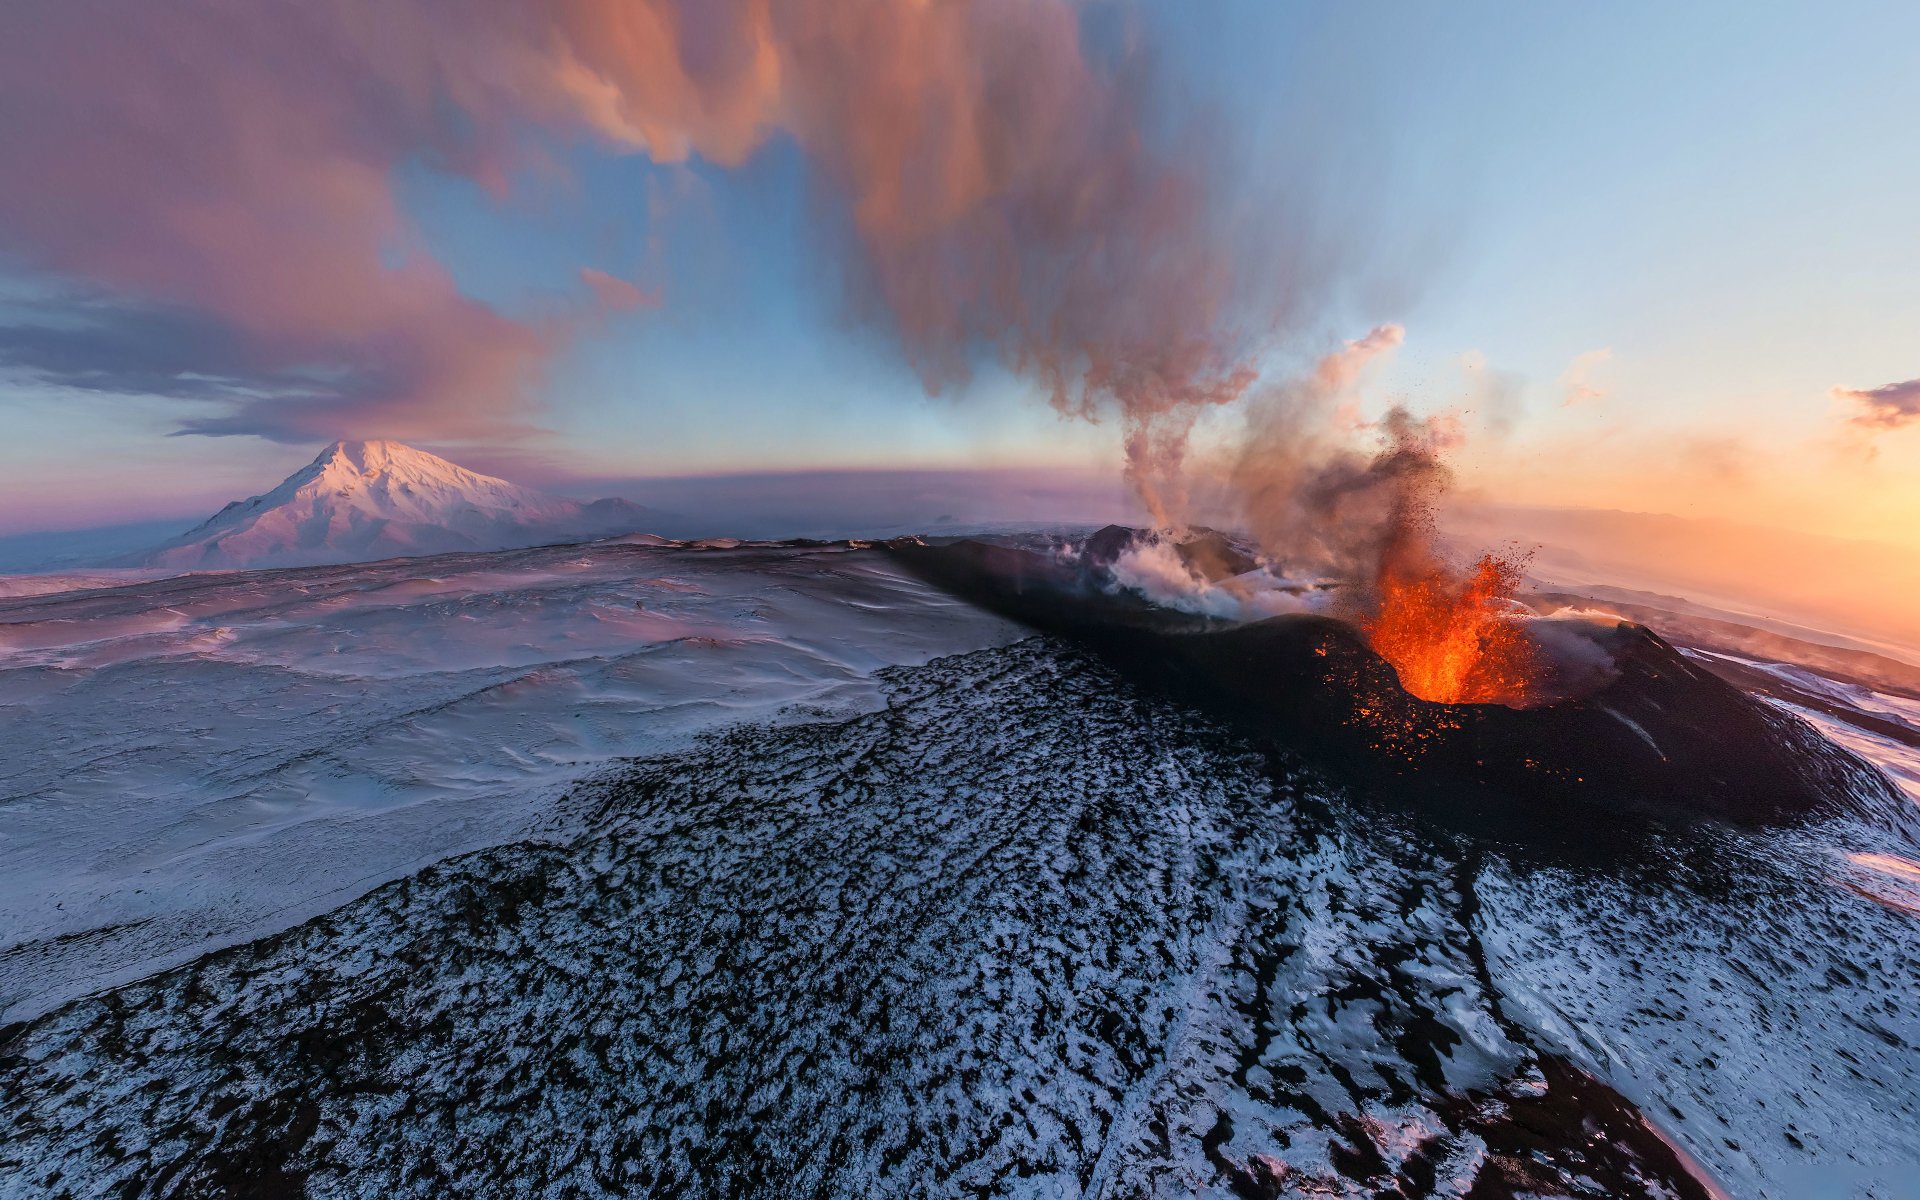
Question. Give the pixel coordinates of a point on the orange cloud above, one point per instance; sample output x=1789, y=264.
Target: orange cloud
x=1338, y=371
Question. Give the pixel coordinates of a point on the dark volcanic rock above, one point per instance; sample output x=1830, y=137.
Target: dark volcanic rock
x=1108, y=544
x=1665, y=738
x=1024, y=932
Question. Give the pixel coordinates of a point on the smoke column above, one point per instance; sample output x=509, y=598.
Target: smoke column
x=1007, y=192
x=998, y=185
x=1316, y=505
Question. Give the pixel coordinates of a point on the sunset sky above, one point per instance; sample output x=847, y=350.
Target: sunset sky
x=1662, y=257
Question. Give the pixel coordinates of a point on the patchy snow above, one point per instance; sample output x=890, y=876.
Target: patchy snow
x=73, y=581
x=1020, y=932
x=750, y=871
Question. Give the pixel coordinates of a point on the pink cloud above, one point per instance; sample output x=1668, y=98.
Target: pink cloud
x=616, y=294
x=1003, y=195
x=235, y=160
x=1337, y=372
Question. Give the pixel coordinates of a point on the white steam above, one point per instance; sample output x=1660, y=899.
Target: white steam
x=1154, y=568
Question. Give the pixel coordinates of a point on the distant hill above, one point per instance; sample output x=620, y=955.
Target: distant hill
x=360, y=501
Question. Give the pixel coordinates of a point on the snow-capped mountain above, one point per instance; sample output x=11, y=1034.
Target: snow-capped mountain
x=360, y=501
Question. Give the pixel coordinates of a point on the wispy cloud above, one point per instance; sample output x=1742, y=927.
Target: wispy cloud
x=1579, y=381
x=616, y=294
x=1889, y=406
x=100, y=345
x=1336, y=372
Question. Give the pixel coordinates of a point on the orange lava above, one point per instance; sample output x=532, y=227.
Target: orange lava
x=1452, y=637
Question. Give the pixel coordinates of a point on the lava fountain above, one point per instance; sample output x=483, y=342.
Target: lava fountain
x=1455, y=637
x=1452, y=635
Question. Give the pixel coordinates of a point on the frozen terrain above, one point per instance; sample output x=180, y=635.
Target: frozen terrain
x=763, y=871
x=194, y=760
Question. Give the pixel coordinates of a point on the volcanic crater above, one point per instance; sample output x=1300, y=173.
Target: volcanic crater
x=1650, y=733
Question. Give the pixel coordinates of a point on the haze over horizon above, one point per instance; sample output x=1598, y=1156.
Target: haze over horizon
x=1853, y=590
x=666, y=288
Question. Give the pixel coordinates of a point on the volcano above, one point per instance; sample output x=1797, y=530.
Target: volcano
x=359, y=501
x=1657, y=736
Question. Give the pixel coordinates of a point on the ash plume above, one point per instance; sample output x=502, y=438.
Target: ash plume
x=1009, y=190
x=1317, y=506
x=1376, y=515
x=1307, y=498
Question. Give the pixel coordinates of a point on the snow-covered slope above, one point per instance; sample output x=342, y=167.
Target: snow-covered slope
x=776, y=873
x=302, y=735
x=360, y=501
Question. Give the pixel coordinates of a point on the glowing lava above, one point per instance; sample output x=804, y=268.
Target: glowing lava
x=1452, y=636
x=1455, y=638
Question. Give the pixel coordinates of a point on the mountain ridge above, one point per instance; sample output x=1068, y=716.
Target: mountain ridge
x=361, y=500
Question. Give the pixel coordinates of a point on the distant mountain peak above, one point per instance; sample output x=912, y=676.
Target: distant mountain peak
x=360, y=500
x=378, y=454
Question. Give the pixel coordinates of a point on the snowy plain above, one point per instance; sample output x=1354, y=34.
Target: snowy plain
x=197, y=760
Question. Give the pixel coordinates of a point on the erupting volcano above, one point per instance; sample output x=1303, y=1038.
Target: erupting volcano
x=1452, y=636
x=1435, y=686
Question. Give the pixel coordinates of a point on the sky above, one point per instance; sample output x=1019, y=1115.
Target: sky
x=1657, y=258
